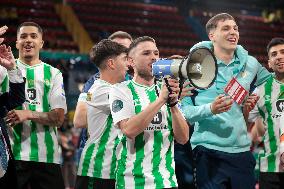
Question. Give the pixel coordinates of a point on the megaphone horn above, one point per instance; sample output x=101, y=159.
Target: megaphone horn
x=199, y=67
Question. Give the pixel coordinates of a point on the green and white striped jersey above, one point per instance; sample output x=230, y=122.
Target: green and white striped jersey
x=98, y=158
x=148, y=160
x=270, y=107
x=44, y=92
x=4, y=81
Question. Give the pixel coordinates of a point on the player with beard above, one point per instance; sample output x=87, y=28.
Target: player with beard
x=149, y=125
x=270, y=109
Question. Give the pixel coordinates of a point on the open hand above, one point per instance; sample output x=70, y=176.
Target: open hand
x=7, y=59
x=3, y=29
x=186, y=90
x=250, y=102
x=221, y=104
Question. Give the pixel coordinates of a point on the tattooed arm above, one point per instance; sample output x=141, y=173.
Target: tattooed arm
x=54, y=118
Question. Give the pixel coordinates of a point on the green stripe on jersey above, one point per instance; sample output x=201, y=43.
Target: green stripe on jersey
x=281, y=96
x=87, y=159
x=139, y=177
x=122, y=164
x=47, y=134
x=17, y=135
x=157, y=147
x=113, y=158
x=270, y=129
x=98, y=164
x=32, y=107
x=4, y=85
x=169, y=158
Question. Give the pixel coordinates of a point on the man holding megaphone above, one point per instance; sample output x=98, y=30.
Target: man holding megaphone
x=149, y=122
x=221, y=145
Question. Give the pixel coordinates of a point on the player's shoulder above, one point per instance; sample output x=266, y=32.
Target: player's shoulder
x=123, y=85
x=53, y=70
x=100, y=85
x=120, y=89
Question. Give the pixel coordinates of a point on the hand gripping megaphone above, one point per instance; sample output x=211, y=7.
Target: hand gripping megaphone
x=199, y=67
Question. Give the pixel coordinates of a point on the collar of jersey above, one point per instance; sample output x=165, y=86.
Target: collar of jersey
x=274, y=77
x=104, y=81
x=144, y=86
x=26, y=65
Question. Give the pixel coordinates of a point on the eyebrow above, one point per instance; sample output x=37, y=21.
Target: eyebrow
x=28, y=33
x=230, y=25
x=156, y=50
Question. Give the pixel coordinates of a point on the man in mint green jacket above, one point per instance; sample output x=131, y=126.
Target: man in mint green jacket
x=221, y=144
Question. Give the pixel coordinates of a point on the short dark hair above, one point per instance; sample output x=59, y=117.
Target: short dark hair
x=120, y=34
x=140, y=40
x=212, y=22
x=105, y=49
x=274, y=41
x=30, y=24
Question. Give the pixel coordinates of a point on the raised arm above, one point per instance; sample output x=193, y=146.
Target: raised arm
x=15, y=96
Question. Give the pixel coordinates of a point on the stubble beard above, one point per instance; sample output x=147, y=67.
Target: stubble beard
x=145, y=75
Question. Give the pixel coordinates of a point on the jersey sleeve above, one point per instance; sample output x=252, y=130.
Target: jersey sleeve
x=57, y=97
x=82, y=97
x=122, y=106
x=4, y=81
x=98, y=97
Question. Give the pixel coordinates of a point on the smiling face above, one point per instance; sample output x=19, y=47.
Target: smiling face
x=276, y=59
x=225, y=36
x=29, y=42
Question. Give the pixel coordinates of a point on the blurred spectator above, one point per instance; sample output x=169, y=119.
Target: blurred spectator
x=68, y=148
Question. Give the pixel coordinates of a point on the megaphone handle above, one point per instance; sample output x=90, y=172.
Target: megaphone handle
x=170, y=92
x=168, y=86
x=181, y=82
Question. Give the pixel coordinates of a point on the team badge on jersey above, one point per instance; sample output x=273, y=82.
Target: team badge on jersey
x=30, y=81
x=280, y=105
x=117, y=105
x=47, y=82
x=157, y=119
x=31, y=94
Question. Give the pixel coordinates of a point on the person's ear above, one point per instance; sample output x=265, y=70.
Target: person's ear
x=41, y=45
x=211, y=36
x=110, y=63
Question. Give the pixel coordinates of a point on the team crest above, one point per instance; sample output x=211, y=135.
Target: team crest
x=31, y=93
x=267, y=98
x=280, y=105
x=30, y=81
x=157, y=119
x=47, y=82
